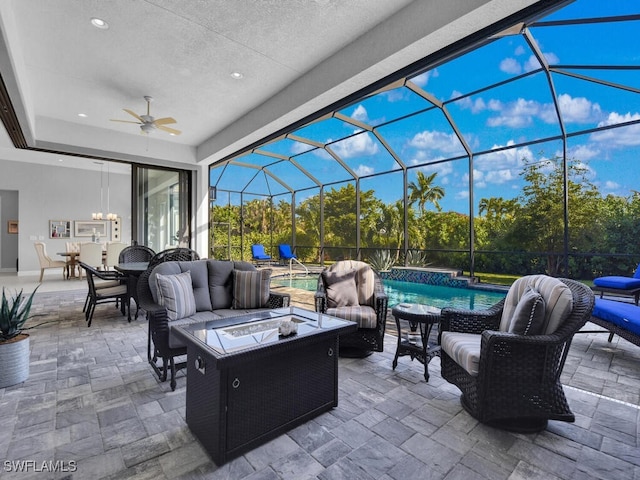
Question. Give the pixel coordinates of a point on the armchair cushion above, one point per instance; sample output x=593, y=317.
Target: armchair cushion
x=175, y=293
x=341, y=288
x=528, y=316
x=464, y=349
x=557, y=296
x=251, y=289
x=364, y=315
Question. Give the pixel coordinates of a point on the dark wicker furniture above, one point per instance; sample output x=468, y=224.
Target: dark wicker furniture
x=159, y=325
x=240, y=399
x=518, y=383
x=136, y=253
x=116, y=292
x=365, y=340
x=415, y=341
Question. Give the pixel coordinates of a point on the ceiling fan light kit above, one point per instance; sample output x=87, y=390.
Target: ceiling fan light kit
x=148, y=123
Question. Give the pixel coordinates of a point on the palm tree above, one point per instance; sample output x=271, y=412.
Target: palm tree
x=423, y=191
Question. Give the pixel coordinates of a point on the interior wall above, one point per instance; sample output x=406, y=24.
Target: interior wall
x=58, y=193
x=8, y=241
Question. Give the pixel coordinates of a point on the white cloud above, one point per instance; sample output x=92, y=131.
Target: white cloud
x=476, y=105
x=514, y=114
x=510, y=65
x=355, y=146
x=611, y=185
x=462, y=195
x=422, y=79
x=364, y=170
x=581, y=152
x=360, y=114
x=618, y=137
x=299, y=147
x=504, y=159
x=434, y=140
x=532, y=63
x=579, y=109
x=519, y=50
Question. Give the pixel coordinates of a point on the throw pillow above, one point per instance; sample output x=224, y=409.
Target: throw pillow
x=528, y=316
x=175, y=293
x=341, y=288
x=251, y=289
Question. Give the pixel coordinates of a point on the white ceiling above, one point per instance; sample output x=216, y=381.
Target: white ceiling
x=296, y=56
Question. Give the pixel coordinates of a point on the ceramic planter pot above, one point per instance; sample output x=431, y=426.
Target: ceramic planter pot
x=14, y=361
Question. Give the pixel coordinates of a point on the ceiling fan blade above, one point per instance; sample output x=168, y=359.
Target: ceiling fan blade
x=164, y=121
x=133, y=114
x=124, y=121
x=169, y=130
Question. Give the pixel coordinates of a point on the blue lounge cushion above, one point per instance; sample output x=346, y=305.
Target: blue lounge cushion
x=624, y=315
x=622, y=283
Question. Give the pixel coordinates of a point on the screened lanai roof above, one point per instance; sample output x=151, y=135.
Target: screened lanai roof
x=565, y=84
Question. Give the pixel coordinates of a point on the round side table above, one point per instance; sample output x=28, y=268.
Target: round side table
x=413, y=336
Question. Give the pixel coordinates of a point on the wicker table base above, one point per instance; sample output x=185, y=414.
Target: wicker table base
x=416, y=343
x=244, y=399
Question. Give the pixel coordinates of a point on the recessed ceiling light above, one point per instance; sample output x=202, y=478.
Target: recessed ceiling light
x=83, y=115
x=236, y=75
x=99, y=23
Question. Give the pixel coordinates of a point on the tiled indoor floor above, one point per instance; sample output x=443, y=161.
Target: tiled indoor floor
x=93, y=404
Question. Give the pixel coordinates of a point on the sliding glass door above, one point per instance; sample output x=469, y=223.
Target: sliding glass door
x=162, y=207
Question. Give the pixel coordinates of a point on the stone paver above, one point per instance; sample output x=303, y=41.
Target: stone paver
x=93, y=402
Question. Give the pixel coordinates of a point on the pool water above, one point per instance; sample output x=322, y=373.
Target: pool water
x=408, y=292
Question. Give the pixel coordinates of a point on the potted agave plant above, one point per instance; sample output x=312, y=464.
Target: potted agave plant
x=14, y=343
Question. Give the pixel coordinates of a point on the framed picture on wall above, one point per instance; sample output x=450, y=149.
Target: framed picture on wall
x=89, y=228
x=59, y=228
x=12, y=226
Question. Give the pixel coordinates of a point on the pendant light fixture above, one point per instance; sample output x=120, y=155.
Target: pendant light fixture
x=98, y=215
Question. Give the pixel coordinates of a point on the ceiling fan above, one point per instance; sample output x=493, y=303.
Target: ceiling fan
x=147, y=123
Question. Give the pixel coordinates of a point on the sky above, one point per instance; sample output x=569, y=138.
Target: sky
x=473, y=103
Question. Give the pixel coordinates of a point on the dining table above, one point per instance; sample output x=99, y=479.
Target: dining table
x=73, y=261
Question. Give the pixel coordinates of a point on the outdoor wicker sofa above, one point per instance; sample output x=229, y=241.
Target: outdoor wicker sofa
x=219, y=289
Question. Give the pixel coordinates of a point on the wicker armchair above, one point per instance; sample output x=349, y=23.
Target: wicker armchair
x=370, y=310
x=517, y=385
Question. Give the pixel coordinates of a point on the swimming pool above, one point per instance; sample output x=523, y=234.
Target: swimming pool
x=409, y=292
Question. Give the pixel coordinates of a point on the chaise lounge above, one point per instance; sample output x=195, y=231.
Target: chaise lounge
x=619, y=285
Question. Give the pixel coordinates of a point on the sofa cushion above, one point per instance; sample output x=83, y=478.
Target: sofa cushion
x=199, y=283
x=175, y=293
x=624, y=315
x=623, y=283
x=528, y=316
x=251, y=289
x=557, y=296
x=199, y=280
x=220, y=283
x=341, y=288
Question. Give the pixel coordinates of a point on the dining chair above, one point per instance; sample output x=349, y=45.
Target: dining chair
x=117, y=293
x=113, y=254
x=48, y=262
x=90, y=254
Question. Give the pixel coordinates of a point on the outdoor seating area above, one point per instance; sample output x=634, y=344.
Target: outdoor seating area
x=91, y=398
